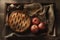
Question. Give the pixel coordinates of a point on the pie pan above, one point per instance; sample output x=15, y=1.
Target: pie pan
x=18, y=21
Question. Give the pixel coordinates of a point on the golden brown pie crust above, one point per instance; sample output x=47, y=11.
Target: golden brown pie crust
x=18, y=21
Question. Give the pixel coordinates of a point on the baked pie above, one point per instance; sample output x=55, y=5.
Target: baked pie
x=18, y=21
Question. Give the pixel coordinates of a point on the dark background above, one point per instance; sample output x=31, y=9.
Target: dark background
x=57, y=12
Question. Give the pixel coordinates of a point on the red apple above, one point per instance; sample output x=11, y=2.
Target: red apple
x=41, y=26
x=34, y=28
x=35, y=20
